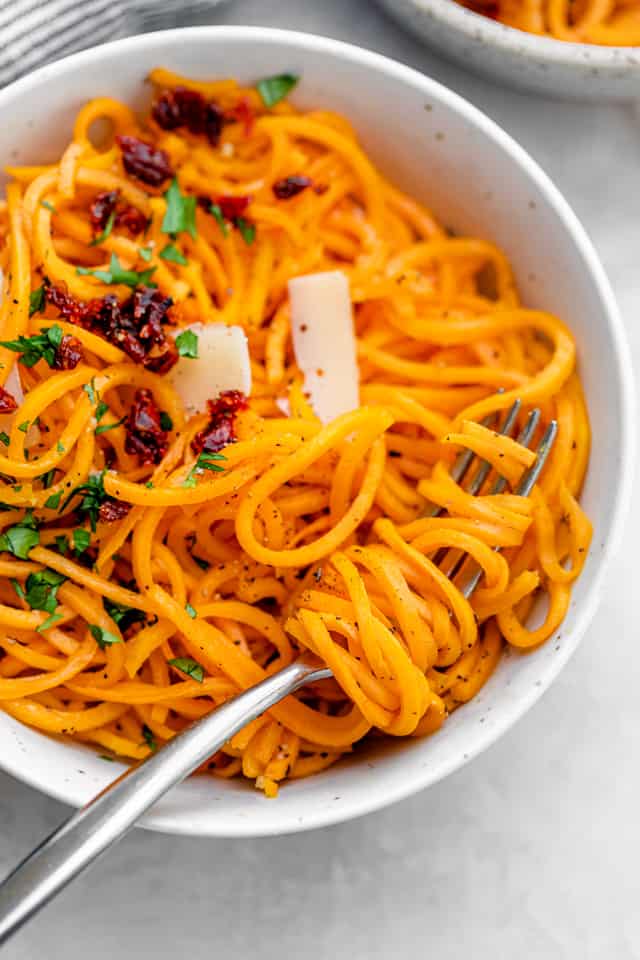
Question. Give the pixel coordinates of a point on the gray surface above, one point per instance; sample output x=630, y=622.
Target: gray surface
x=531, y=851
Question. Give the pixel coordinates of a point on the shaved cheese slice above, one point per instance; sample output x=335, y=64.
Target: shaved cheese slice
x=324, y=341
x=223, y=364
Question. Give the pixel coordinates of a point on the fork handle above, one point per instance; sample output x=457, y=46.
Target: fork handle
x=92, y=830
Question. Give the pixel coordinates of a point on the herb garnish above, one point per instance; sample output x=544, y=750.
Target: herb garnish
x=117, y=274
x=187, y=344
x=40, y=346
x=274, y=89
x=189, y=666
x=180, y=215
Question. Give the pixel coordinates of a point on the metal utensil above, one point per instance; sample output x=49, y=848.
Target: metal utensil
x=105, y=819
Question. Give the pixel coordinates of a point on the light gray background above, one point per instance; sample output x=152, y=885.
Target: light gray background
x=529, y=852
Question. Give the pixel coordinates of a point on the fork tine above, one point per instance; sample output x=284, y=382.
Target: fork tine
x=484, y=467
x=523, y=438
x=525, y=486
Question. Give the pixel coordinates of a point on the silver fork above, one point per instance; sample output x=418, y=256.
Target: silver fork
x=92, y=830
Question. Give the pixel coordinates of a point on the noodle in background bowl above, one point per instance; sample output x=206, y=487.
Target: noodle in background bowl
x=475, y=178
x=556, y=68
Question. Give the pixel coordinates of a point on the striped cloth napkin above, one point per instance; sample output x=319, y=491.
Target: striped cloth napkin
x=34, y=32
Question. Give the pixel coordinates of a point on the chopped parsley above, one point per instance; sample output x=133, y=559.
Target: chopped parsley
x=166, y=423
x=49, y=622
x=180, y=215
x=21, y=538
x=4, y=438
x=41, y=590
x=274, y=89
x=36, y=300
x=53, y=502
x=191, y=611
x=101, y=409
x=81, y=539
x=48, y=206
x=24, y=426
x=146, y=253
x=247, y=230
x=187, y=344
x=93, y=496
x=189, y=666
x=106, y=232
x=41, y=346
x=122, y=615
x=173, y=255
x=103, y=637
x=216, y=210
x=117, y=274
x=62, y=544
x=149, y=738
x=205, y=461
x=109, y=426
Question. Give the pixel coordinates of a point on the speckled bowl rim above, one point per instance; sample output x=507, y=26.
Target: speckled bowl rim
x=478, y=29
x=414, y=777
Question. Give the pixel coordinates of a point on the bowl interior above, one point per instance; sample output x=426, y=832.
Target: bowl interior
x=434, y=145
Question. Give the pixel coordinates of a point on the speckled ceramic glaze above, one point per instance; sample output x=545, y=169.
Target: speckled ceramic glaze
x=476, y=179
x=518, y=59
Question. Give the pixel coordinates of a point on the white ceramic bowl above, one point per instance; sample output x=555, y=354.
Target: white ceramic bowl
x=477, y=179
x=577, y=70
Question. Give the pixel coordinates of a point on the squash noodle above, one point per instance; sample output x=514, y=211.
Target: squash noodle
x=312, y=538
x=612, y=23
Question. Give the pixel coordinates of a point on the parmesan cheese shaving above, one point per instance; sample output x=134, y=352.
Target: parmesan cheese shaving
x=222, y=364
x=324, y=342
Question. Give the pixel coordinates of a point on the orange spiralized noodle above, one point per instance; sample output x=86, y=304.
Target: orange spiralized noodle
x=138, y=593
x=612, y=23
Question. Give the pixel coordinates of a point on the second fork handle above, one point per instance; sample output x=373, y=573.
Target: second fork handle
x=93, y=829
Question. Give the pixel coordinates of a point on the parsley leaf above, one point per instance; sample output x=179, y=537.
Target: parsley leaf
x=191, y=611
x=24, y=426
x=48, y=206
x=166, y=423
x=216, y=210
x=146, y=253
x=180, y=216
x=90, y=390
x=62, y=543
x=36, y=301
x=42, y=588
x=93, y=496
x=53, y=502
x=109, y=426
x=17, y=587
x=60, y=447
x=205, y=461
x=117, y=274
x=21, y=538
x=4, y=438
x=103, y=637
x=106, y=232
x=191, y=667
x=173, y=255
x=247, y=230
x=274, y=89
x=187, y=344
x=122, y=615
x=101, y=409
x=49, y=622
x=81, y=539
x=149, y=738
x=48, y=478
x=40, y=346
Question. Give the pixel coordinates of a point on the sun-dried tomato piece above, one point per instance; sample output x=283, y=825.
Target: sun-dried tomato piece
x=244, y=113
x=68, y=354
x=102, y=207
x=232, y=207
x=111, y=510
x=132, y=219
x=107, y=203
x=291, y=186
x=8, y=402
x=136, y=326
x=188, y=108
x=145, y=436
x=220, y=431
x=144, y=161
